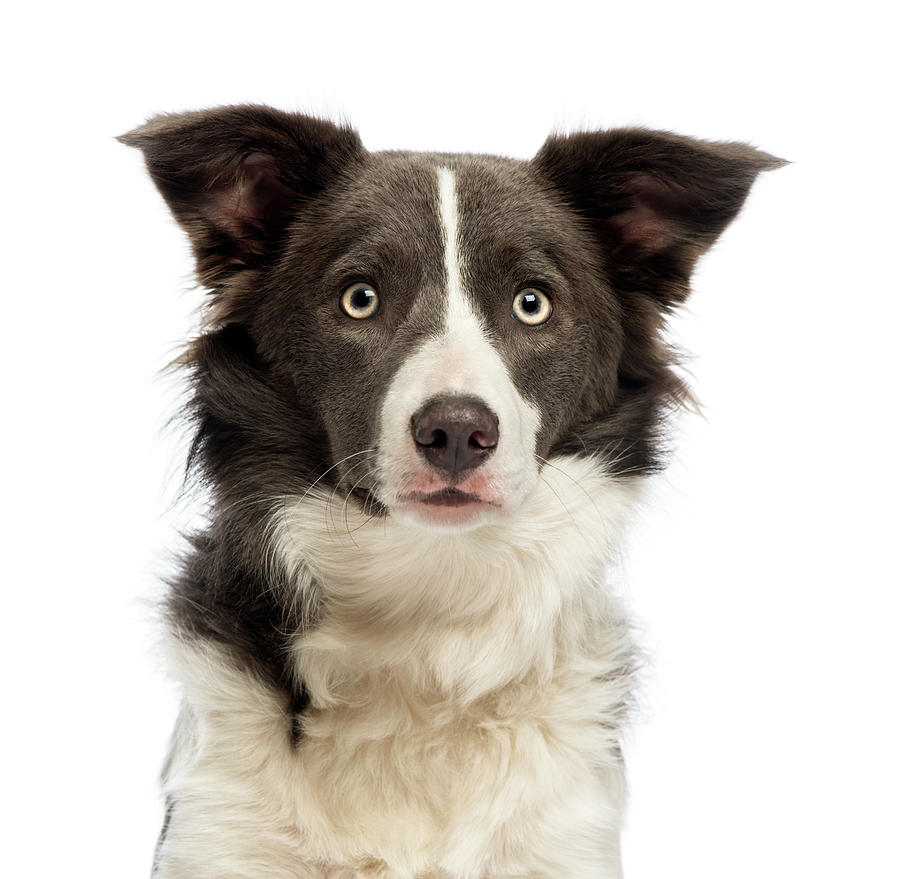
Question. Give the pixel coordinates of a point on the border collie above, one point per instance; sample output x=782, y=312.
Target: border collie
x=426, y=392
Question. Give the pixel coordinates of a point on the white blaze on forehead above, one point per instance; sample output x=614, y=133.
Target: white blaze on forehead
x=458, y=308
x=460, y=359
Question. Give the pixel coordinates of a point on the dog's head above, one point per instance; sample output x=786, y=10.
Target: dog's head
x=425, y=331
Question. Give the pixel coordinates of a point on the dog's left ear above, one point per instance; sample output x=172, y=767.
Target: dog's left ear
x=656, y=201
x=234, y=177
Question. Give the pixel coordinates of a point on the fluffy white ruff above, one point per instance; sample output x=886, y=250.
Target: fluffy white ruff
x=466, y=696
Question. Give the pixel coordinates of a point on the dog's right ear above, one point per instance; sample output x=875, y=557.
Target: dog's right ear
x=234, y=177
x=655, y=201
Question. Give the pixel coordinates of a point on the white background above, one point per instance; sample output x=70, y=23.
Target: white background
x=762, y=573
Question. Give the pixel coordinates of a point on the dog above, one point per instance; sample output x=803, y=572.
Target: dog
x=427, y=390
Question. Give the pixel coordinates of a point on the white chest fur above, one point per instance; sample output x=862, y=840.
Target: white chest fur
x=466, y=695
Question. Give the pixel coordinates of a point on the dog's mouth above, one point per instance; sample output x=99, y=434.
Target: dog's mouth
x=449, y=498
x=445, y=507
x=446, y=497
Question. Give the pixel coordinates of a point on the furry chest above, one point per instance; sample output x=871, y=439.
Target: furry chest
x=393, y=785
x=421, y=785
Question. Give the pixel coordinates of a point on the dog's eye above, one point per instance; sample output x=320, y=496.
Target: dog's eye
x=532, y=306
x=360, y=301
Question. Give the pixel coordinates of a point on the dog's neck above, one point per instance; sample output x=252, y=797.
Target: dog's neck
x=454, y=614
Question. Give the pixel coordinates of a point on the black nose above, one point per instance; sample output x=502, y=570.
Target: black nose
x=455, y=433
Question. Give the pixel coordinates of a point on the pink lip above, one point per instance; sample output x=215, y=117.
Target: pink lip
x=446, y=497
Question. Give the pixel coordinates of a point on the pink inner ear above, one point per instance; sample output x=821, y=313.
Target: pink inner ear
x=649, y=218
x=251, y=202
x=643, y=227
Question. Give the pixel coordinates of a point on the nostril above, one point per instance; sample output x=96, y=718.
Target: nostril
x=426, y=435
x=437, y=440
x=480, y=440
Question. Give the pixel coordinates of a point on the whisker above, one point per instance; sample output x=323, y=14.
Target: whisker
x=347, y=501
x=562, y=502
x=570, y=477
x=337, y=464
x=365, y=522
x=334, y=491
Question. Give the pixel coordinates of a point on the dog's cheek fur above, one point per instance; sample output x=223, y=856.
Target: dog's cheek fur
x=254, y=442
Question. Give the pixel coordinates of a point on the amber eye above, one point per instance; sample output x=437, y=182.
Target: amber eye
x=532, y=306
x=360, y=301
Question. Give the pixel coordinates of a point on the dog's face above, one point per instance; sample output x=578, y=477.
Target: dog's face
x=453, y=325
x=423, y=332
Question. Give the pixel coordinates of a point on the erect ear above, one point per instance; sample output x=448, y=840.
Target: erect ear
x=233, y=177
x=656, y=201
